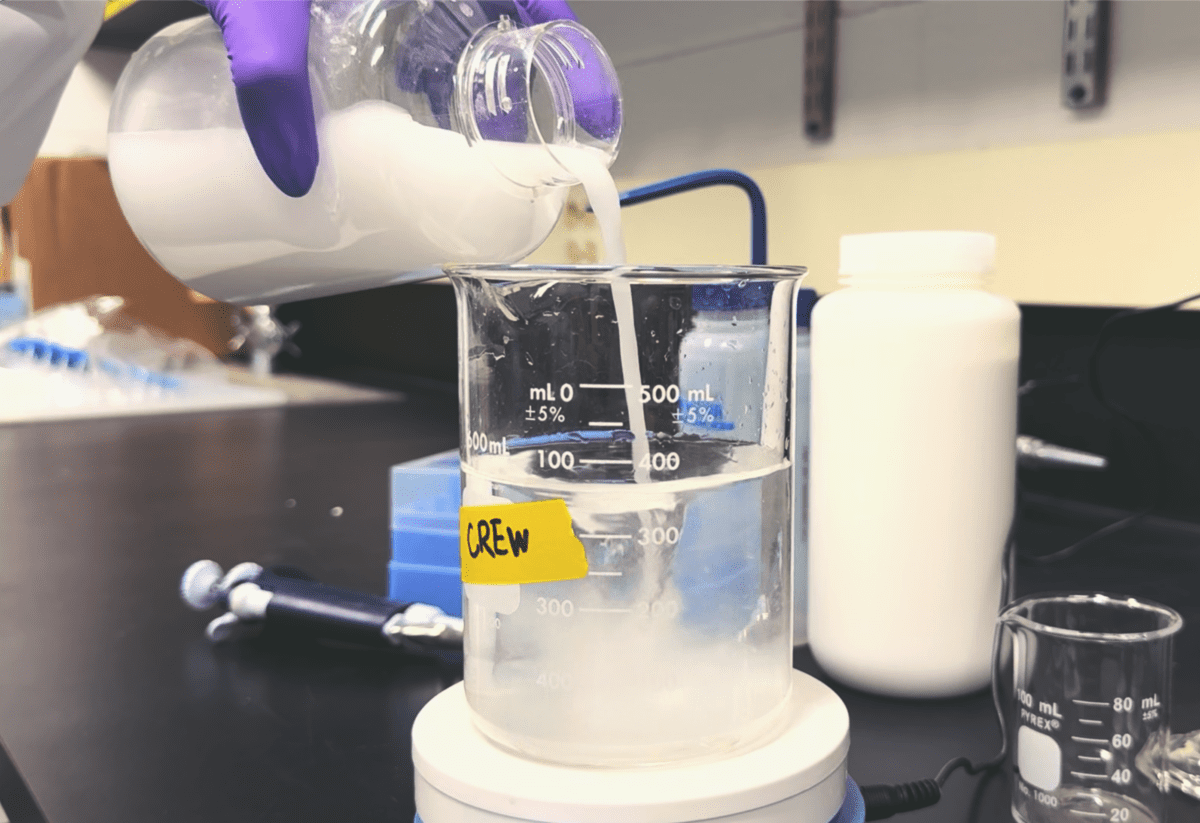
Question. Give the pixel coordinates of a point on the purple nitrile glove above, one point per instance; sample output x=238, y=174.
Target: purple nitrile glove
x=267, y=42
x=533, y=12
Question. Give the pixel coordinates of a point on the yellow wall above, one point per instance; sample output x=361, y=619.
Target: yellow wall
x=1113, y=221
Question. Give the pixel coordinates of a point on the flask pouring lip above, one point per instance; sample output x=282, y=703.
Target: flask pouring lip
x=550, y=85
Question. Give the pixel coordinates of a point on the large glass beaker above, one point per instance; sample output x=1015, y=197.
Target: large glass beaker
x=655, y=402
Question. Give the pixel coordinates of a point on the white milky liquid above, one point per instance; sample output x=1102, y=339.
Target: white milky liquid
x=605, y=201
x=660, y=653
x=603, y=197
x=391, y=196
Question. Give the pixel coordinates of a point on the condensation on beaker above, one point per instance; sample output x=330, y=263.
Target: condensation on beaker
x=587, y=385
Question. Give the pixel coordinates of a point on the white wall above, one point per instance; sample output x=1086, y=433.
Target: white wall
x=80, y=124
x=718, y=82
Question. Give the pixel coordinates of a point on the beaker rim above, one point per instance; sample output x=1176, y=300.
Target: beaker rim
x=1171, y=619
x=708, y=273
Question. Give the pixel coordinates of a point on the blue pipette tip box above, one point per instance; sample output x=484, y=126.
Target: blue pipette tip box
x=424, y=568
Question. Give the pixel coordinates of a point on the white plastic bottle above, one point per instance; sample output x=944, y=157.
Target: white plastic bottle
x=914, y=394
x=447, y=133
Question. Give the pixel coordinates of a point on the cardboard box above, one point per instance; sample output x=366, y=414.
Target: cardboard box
x=66, y=221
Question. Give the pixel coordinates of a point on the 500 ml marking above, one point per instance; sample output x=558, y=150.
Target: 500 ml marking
x=480, y=443
x=670, y=393
x=660, y=393
x=650, y=392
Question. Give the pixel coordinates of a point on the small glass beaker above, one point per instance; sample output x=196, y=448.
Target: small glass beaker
x=1089, y=708
x=664, y=425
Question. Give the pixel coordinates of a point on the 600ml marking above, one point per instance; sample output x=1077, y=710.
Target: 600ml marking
x=480, y=443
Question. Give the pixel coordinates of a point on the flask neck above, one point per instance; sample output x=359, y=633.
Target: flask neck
x=551, y=86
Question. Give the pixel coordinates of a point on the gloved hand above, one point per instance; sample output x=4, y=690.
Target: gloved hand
x=267, y=42
x=427, y=68
x=268, y=54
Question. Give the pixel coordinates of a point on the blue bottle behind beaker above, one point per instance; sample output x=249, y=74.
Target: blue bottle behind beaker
x=721, y=362
x=721, y=374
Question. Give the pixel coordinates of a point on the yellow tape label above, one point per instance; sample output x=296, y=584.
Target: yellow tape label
x=519, y=543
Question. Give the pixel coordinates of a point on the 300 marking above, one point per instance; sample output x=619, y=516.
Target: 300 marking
x=658, y=536
x=554, y=607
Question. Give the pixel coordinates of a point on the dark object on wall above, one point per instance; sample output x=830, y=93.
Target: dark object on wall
x=1085, y=53
x=820, y=60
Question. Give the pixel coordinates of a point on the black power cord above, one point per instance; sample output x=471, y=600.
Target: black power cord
x=883, y=800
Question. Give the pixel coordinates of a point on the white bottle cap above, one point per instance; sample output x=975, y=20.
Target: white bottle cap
x=940, y=256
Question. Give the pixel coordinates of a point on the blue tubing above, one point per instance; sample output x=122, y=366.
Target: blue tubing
x=713, y=177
